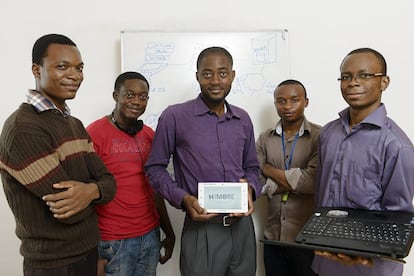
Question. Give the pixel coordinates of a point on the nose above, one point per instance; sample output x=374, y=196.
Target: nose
x=75, y=73
x=215, y=78
x=288, y=105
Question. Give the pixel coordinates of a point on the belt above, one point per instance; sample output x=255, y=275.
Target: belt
x=225, y=220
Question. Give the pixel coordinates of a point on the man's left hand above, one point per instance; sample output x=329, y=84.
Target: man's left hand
x=75, y=197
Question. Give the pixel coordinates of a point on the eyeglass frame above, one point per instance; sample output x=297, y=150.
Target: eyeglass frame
x=361, y=76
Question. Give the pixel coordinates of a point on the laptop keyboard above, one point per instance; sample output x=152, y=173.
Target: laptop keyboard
x=357, y=230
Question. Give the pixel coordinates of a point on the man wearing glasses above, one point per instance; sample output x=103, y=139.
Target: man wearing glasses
x=366, y=160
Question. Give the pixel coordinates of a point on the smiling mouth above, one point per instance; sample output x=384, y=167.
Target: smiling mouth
x=134, y=110
x=72, y=87
x=215, y=90
x=354, y=94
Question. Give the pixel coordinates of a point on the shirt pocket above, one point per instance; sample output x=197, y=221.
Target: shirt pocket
x=363, y=187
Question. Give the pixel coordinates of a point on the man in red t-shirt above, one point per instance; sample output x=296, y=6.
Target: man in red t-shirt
x=129, y=224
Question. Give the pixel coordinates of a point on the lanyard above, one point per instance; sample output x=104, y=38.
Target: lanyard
x=292, y=150
x=289, y=161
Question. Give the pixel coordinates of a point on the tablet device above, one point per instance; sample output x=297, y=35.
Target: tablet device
x=223, y=197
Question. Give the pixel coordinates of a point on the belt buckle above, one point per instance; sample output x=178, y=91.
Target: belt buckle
x=224, y=221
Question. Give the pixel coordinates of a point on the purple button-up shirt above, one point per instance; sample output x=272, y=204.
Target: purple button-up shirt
x=205, y=148
x=368, y=167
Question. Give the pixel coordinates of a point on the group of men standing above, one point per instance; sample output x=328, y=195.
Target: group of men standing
x=91, y=201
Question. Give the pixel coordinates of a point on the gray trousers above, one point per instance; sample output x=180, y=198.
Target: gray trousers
x=209, y=249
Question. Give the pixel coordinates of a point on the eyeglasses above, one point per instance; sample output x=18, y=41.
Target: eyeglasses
x=359, y=77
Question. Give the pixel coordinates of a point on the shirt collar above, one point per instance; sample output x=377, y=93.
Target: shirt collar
x=377, y=117
x=201, y=108
x=41, y=103
x=303, y=127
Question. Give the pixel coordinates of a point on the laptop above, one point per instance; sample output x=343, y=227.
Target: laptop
x=373, y=234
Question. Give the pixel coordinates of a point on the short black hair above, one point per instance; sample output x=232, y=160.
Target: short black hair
x=294, y=82
x=130, y=75
x=214, y=50
x=374, y=52
x=40, y=46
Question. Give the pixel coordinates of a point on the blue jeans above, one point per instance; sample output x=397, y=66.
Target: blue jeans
x=132, y=257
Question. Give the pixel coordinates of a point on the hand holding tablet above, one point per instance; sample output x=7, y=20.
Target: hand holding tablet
x=223, y=197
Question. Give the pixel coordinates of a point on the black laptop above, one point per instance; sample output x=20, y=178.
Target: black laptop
x=375, y=234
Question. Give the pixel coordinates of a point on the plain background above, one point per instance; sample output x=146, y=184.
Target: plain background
x=321, y=33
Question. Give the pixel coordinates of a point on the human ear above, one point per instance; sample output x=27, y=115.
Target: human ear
x=36, y=70
x=233, y=75
x=115, y=95
x=385, y=81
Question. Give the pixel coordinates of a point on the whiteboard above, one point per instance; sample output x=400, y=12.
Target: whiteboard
x=168, y=60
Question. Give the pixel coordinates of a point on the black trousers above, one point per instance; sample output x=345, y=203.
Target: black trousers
x=87, y=266
x=287, y=261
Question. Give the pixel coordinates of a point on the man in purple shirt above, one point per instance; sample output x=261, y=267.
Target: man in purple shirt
x=210, y=141
x=366, y=160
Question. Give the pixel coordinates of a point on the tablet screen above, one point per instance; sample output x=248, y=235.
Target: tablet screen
x=223, y=197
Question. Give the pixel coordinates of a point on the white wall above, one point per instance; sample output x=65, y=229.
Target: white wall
x=321, y=32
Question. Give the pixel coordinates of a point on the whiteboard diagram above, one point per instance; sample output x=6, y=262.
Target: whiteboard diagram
x=168, y=61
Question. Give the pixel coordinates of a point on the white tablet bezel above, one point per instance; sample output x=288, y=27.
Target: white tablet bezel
x=242, y=186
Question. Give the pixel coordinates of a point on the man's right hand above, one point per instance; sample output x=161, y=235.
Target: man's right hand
x=193, y=208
